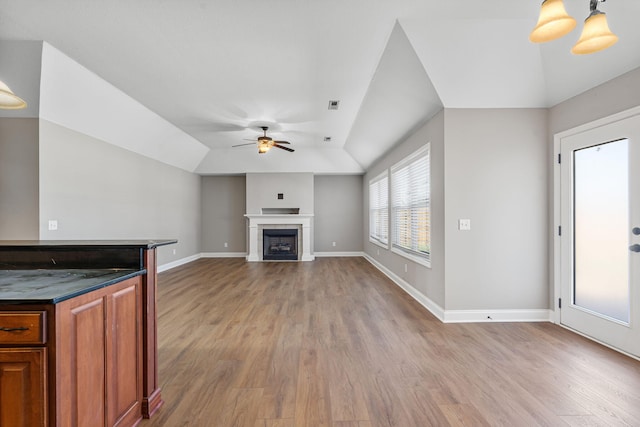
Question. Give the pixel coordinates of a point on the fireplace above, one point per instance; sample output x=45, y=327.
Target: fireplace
x=277, y=221
x=280, y=244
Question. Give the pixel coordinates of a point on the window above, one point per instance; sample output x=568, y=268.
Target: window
x=379, y=209
x=410, y=206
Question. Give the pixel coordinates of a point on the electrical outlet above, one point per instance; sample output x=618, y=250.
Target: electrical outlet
x=378, y=251
x=333, y=243
x=53, y=224
x=226, y=244
x=174, y=251
x=405, y=268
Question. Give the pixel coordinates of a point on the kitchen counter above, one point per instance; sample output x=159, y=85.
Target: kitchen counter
x=111, y=261
x=76, y=254
x=85, y=244
x=54, y=286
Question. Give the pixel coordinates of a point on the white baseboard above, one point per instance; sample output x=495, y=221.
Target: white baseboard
x=427, y=303
x=178, y=263
x=467, y=316
x=464, y=316
x=338, y=254
x=223, y=254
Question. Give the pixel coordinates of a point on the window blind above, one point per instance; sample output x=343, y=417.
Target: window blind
x=379, y=208
x=410, y=204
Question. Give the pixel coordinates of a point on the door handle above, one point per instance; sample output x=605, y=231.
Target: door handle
x=634, y=248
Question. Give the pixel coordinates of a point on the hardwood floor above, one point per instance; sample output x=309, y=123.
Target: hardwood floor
x=334, y=343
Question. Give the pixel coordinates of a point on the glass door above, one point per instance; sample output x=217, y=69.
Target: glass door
x=600, y=233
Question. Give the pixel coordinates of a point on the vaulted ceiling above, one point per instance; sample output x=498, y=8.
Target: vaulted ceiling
x=218, y=69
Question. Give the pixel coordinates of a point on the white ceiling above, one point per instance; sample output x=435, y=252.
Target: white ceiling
x=217, y=69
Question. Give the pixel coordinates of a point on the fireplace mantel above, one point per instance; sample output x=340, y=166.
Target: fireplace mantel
x=303, y=220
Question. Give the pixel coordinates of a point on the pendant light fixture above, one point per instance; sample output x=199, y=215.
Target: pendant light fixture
x=8, y=100
x=596, y=35
x=554, y=22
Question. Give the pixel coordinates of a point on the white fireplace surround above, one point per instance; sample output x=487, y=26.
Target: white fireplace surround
x=293, y=220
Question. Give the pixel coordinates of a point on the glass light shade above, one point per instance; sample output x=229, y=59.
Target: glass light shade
x=554, y=22
x=263, y=148
x=9, y=101
x=596, y=35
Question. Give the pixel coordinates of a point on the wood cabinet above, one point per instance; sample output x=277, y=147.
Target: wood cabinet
x=84, y=368
x=103, y=254
x=23, y=387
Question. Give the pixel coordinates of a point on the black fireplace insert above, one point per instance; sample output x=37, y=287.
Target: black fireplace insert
x=280, y=244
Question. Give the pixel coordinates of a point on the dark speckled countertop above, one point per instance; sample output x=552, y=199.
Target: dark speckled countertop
x=85, y=244
x=54, y=286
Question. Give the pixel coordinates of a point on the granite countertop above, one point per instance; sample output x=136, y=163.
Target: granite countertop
x=92, y=244
x=54, y=286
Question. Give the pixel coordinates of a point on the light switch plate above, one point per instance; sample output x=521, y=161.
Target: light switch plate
x=464, y=224
x=53, y=224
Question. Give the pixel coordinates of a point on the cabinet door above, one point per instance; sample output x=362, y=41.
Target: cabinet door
x=80, y=383
x=22, y=387
x=124, y=355
x=99, y=362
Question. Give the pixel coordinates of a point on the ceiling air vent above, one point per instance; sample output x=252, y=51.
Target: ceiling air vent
x=333, y=105
x=327, y=139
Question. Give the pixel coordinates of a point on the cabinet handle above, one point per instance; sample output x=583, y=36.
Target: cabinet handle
x=21, y=328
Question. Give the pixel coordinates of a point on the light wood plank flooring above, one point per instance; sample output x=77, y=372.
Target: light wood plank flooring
x=334, y=343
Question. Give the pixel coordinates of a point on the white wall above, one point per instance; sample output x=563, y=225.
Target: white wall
x=96, y=190
x=496, y=176
x=263, y=189
x=76, y=98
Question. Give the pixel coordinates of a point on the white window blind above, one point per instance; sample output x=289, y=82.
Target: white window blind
x=410, y=204
x=379, y=209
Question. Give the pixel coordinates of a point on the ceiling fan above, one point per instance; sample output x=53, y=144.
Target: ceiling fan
x=265, y=143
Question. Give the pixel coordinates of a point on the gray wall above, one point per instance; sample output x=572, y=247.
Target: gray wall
x=489, y=166
x=429, y=281
x=619, y=94
x=18, y=179
x=263, y=189
x=338, y=213
x=614, y=96
x=337, y=200
x=20, y=69
x=223, y=209
x=96, y=190
x=496, y=175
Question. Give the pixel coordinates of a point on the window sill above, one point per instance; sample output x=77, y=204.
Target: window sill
x=417, y=259
x=379, y=243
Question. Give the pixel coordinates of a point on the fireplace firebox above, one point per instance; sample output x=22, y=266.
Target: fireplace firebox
x=280, y=244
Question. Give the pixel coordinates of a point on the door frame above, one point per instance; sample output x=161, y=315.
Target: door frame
x=556, y=239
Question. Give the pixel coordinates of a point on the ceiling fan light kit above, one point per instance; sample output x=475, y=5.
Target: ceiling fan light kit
x=8, y=100
x=266, y=143
x=554, y=22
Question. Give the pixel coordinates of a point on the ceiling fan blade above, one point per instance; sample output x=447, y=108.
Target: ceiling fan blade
x=284, y=148
x=242, y=145
x=282, y=142
x=249, y=139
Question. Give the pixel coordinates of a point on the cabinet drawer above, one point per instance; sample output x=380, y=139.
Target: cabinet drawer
x=23, y=327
